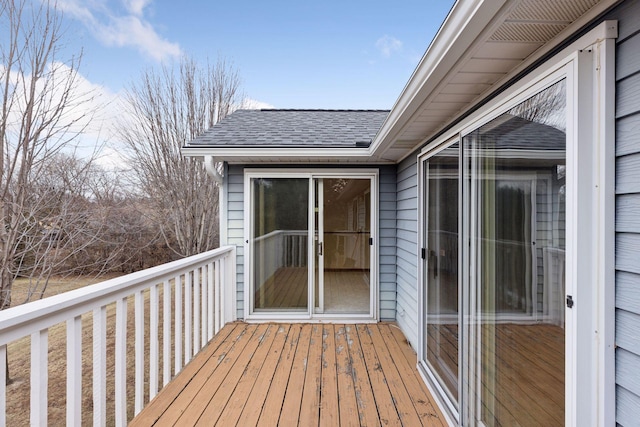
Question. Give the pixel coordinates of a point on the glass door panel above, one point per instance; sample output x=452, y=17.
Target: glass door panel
x=344, y=226
x=441, y=269
x=279, y=241
x=515, y=186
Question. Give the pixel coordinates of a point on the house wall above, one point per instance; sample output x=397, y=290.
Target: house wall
x=406, y=247
x=628, y=213
x=387, y=240
x=235, y=227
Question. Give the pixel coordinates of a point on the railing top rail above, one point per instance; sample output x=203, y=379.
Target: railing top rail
x=25, y=319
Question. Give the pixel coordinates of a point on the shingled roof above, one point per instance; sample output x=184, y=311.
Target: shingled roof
x=294, y=128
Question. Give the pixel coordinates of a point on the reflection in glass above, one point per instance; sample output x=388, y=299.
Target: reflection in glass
x=441, y=268
x=515, y=187
x=280, y=233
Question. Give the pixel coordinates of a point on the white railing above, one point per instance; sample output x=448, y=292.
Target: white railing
x=191, y=298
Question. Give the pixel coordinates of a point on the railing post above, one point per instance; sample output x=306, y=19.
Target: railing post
x=154, y=303
x=188, y=316
x=121, y=363
x=139, y=352
x=178, y=324
x=99, y=366
x=230, y=287
x=39, y=377
x=204, y=315
x=74, y=371
x=196, y=310
x=212, y=307
x=219, y=290
x=166, y=334
x=3, y=385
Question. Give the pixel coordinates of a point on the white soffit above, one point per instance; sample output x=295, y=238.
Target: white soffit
x=466, y=63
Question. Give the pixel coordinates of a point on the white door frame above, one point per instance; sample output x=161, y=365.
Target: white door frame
x=309, y=316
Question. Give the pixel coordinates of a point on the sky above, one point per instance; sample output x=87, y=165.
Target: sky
x=289, y=53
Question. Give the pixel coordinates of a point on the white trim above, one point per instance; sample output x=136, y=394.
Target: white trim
x=605, y=246
x=309, y=315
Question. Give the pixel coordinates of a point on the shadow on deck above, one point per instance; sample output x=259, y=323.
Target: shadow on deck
x=298, y=374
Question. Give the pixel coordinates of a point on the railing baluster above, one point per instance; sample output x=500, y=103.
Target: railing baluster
x=99, y=366
x=74, y=371
x=121, y=363
x=178, y=325
x=154, y=302
x=204, y=312
x=188, y=316
x=139, y=352
x=211, y=307
x=166, y=334
x=39, y=377
x=3, y=385
x=196, y=310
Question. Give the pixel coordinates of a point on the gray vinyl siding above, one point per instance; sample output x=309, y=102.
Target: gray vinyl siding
x=235, y=228
x=628, y=213
x=407, y=243
x=387, y=236
x=387, y=242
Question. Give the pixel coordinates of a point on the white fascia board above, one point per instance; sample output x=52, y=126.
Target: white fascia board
x=463, y=25
x=301, y=154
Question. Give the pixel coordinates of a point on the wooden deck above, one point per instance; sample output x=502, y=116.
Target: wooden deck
x=298, y=374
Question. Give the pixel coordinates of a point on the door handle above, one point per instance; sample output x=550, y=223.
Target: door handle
x=319, y=248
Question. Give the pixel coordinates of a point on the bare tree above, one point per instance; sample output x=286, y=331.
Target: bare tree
x=167, y=108
x=42, y=113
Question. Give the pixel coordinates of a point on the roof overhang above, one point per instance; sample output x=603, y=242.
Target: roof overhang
x=481, y=46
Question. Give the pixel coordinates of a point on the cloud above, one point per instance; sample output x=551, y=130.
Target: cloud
x=122, y=30
x=253, y=104
x=388, y=45
x=136, y=7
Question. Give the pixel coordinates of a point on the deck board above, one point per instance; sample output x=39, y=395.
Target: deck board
x=299, y=374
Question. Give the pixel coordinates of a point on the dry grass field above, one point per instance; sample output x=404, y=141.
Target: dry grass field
x=19, y=364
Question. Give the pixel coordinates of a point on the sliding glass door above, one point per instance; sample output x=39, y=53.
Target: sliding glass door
x=280, y=235
x=493, y=273
x=440, y=270
x=311, y=245
x=343, y=249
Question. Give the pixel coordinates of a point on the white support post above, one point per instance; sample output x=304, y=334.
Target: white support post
x=188, y=316
x=211, y=307
x=74, y=371
x=204, y=312
x=166, y=334
x=3, y=385
x=139, y=352
x=121, y=363
x=154, y=356
x=178, y=325
x=219, y=296
x=39, y=377
x=100, y=366
x=196, y=310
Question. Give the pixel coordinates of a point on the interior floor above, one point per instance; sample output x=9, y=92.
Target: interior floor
x=345, y=291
